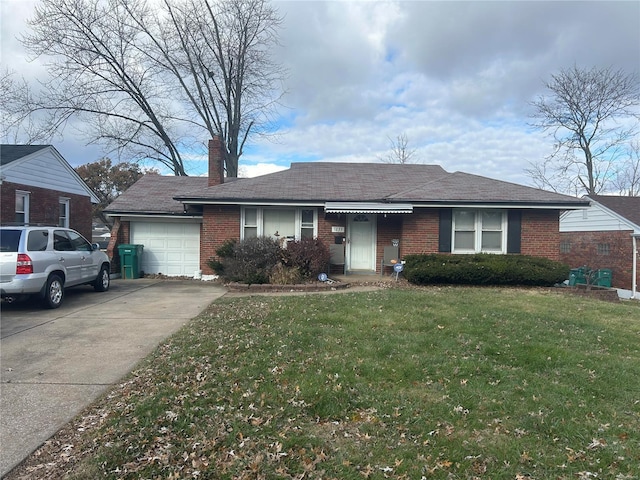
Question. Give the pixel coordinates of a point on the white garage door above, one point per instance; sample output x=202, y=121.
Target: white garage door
x=169, y=248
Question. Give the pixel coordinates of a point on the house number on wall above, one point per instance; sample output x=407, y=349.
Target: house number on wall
x=337, y=229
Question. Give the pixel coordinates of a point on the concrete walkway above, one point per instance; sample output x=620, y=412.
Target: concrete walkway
x=54, y=363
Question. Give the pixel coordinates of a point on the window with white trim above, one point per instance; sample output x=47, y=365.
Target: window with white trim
x=307, y=223
x=63, y=217
x=22, y=207
x=250, y=222
x=479, y=231
x=279, y=223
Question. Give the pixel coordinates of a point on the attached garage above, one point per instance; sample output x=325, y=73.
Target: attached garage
x=170, y=248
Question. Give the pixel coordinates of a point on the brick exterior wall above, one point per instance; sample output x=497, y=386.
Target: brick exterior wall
x=120, y=234
x=389, y=228
x=583, y=250
x=540, y=235
x=44, y=207
x=219, y=223
x=418, y=232
x=326, y=221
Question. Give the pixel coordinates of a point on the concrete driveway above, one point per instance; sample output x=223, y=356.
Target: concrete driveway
x=56, y=362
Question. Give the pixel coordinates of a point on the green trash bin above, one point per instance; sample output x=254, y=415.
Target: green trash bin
x=577, y=276
x=130, y=260
x=603, y=277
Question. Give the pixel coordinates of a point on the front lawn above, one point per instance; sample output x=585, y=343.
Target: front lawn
x=458, y=383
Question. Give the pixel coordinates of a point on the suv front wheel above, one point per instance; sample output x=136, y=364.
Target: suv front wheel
x=53, y=292
x=103, y=280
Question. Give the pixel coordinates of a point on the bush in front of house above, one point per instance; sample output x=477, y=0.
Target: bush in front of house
x=283, y=275
x=263, y=260
x=247, y=261
x=309, y=256
x=483, y=269
x=225, y=251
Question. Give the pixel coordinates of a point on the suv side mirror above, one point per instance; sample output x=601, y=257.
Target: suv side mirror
x=95, y=246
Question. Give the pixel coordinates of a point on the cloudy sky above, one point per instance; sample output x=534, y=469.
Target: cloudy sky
x=456, y=78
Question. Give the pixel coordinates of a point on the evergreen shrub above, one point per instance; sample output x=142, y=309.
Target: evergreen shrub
x=483, y=269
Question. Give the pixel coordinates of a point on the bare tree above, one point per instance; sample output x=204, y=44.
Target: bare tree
x=153, y=80
x=547, y=176
x=17, y=127
x=590, y=114
x=627, y=179
x=400, y=151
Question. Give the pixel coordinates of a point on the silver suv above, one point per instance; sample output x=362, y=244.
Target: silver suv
x=43, y=261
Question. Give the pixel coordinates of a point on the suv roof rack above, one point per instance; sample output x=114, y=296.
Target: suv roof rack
x=22, y=224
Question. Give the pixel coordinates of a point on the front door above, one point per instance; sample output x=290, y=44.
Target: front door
x=361, y=238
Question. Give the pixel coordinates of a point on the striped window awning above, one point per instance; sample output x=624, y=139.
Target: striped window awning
x=367, y=207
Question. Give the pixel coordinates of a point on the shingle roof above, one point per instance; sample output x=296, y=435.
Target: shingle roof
x=320, y=182
x=465, y=187
x=11, y=153
x=627, y=207
x=154, y=194
x=363, y=182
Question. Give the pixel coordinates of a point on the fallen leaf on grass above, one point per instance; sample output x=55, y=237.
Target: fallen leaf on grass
x=597, y=443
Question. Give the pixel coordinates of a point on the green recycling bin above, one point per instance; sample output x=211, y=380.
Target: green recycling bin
x=603, y=277
x=130, y=260
x=577, y=276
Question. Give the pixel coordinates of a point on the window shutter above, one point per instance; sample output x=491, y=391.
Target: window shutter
x=444, y=240
x=514, y=228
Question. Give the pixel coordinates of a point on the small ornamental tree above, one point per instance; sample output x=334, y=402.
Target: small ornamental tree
x=309, y=255
x=263, y=260
x=248, y=261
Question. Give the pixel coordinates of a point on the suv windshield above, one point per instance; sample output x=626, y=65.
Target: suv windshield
x=9, y=240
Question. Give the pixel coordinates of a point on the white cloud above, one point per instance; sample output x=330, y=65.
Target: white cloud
x=456, y=77
x=249, y=171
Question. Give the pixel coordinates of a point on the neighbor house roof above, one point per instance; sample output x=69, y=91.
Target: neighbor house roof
x=41, y=166
x=325, y=183
x=627, y=207
x=11, y=153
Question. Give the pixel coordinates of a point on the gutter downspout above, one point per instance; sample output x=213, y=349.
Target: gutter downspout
x=634, y=269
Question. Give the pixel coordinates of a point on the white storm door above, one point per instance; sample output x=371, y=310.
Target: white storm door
x=361, y=242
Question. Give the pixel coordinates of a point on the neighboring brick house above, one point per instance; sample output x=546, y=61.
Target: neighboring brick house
x=38, y=186
x=606, y=235
x=181, y=221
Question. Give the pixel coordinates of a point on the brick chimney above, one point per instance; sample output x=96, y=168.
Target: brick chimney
x=216, y=161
